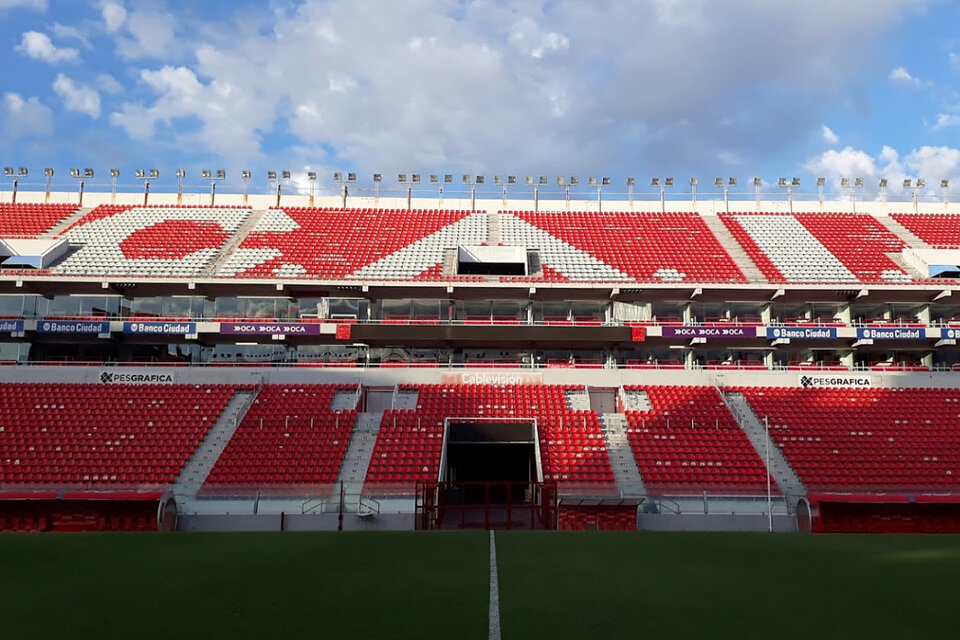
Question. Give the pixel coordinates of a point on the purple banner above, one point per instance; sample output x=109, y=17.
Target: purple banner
x=710, y=332
x=269, y=328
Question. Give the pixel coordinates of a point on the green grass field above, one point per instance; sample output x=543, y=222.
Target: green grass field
x=435, y=585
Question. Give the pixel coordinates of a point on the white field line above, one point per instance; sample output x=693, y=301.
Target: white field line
x=494, y=633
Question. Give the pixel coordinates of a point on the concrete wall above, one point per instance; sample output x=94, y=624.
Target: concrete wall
x=701, y=522
x=295, y=522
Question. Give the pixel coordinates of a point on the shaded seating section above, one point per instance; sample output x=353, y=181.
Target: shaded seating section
x=865, y=439
x=290, y=436
x=818, y=247
x=103, y=435
x=149, y=241
x=689, y=442
x=323, y=243
x=649, y=247
x=881, y=513
x=76, y=513
x=31, y=220
x=410, y=441
x=599, y=517
x=940, y=231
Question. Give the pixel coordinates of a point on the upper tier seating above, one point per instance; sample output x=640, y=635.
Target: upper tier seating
x=818, y=247
x=377, y=244
x=894, y=439
x=149, y=241
x=103, y=435
x=650, y=247
x=410, y=441
x=31, y=220
x=689, y=442
x=940, y=231
x=289, y=436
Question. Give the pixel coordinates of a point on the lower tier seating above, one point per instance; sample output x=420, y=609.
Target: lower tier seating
x=103, y=435
x=410, y=441
x=865, y=439
x=689, y=442
x=289, y=436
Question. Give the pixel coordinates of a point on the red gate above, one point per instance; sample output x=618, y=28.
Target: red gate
x=486, y=505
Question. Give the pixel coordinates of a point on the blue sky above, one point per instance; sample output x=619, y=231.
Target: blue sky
x=858, y=88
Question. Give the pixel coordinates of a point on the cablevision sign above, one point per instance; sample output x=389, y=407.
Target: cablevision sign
x=135, y=377
x=835, y=380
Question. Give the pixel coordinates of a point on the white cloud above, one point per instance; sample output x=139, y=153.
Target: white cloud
x=932, y=163
x=38, y=46
x=77, y=97
x=38, y=5
x=945, y=120
x=828, y=135
x=20, y=118
x=108, y=84
x=114, y=15
x=66, y=32
x=900, y=76
x=539, y=85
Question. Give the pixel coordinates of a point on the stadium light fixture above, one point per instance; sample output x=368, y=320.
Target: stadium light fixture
x=592, y=182
x=543, y=181
x=213, y=177
x=402, y=178
x=693, y=190
x=844, y=182
x=726, y=186
x=882, y=183
x=285, y=175
x=731, y=182
x=718, y=182
x=820, y=184
x=48, y=172
x=81, y=177
x=944, y=187
x=783, y=183
x=921, y=183
x=529, y=181
x=245, y=176
x=146, y=176
x=377, y=179
x=280, y=178
x=663, y=185
x=448, y=178
x=180, y=175
x=344, y=180
x=479, y=180
x=757, y=188
x=434, y=178
x=654, y=182
x=415, y=178
x=574, y=181
x=10, y=173
x=858, y=183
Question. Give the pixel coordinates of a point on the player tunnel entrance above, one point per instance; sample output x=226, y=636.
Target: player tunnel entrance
x=490, y=477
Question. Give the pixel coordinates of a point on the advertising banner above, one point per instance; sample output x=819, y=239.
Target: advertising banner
x=160, y=328
x=269, y=329
x=709, y=332
x=802, y=333
x=891, y=333
x=836, y=380
x=72, y=326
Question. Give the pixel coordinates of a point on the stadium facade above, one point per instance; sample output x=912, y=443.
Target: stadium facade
x=293, y=362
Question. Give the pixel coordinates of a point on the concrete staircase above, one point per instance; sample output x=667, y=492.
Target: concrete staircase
x=493, y=229
x=625, y=470
x=64, y=224
x=781, y=471
x=902, y=232
x=233, y=242
x=577, y=399
x=406, y=399
x=732, y=247
x=198, y=467
x=344, y=400
x=356, y=460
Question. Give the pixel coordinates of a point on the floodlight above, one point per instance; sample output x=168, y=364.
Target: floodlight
x=447, y=178
x=883, y=183
x=574, y=180
x=245, y=174
x=593, y=181
x=561, y=181
x=181, y=173
x=338, y=177
x=694, y=182
x=401, y=178
x=907, y=183
x=757, y=182
x=858, y=182
x=944, y=184
x=23, y=171
x=466, y=178
x=732, y=182
x=631, y=182
x=434, y=178
x=154, y=173
x=415, y=178
x=654, y=182
x=795, y=182
x=8, y=171
x=205, y=174
x=529, y=180
x=48, y=172
x=821, y=182
x=479, y=180
x=377, y=177
x=497, y=179
x=511, y=179
x=718, y=182
x=543, y=179
x=844, y=182
x=781, y=182
x=285, y=175
x=921, y=183
x=74, y=172
x=139, y=173
x=271, y=175
x=606, y=182
x=351, y=177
